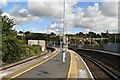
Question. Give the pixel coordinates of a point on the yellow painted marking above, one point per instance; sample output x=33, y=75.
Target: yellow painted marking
x=70, y=67
x=73, y=67
x=36, y=65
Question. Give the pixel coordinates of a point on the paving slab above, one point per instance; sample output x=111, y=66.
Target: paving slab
x=52, y=69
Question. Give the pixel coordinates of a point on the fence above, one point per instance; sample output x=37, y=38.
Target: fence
x=115, y=47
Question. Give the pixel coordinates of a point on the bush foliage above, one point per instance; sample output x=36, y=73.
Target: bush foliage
x=14, y=49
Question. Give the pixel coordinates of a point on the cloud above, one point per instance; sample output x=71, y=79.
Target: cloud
x=6, y=14
x=3, y=2
x=86, y=30
x=98, y=18
x=92, y=11
x=94, y=19
x=16, y=11
x=22, y=16
x=109, y=9
x=46, y=9
x=50, y=9
x=33, y=29
x=43, y=31
x=56, y=28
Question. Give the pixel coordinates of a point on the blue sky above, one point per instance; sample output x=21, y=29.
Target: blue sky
x=85, y=4
x=45, y=21
x=41, y=24
x=25, y=27
x=10, y=5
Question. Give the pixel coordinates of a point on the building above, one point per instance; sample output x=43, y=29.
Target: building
x=42, y=43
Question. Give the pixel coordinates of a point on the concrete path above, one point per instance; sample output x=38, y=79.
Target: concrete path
x=53, y=68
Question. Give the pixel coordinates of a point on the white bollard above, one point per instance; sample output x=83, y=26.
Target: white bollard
x=64, y=56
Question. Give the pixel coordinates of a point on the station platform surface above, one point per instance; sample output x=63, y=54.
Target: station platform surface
x=78, y=68
x=73, y=68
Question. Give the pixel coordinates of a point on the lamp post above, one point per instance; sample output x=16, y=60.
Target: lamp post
x=90, y=39
x=115, y=39
x=101, y=42
x=47, y=37
x=64, y=37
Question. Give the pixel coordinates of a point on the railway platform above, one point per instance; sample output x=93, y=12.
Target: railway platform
x=52, y=67
x=78, y=68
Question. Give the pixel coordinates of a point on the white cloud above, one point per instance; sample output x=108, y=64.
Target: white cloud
x=69, y=32
x=86, y=30
x=56, y=28
x=49, y=31
x=46, y=9
x=21, y=16
x=97, y=18
x=21, y=20
x=92, y=11
x=94, y=19
x=43, y=31
x=6, y=14
x=109, y=9
x=3, y=2
x=50, y=9
x=33, y=29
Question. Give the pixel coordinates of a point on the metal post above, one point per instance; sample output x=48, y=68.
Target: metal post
x=101, y=42
x=90, y=40
x=47, y=37
x=75, y=43
x=60, y=43
x=64, y=42
x=54, y=44
x=23, y=35
x=115, y=38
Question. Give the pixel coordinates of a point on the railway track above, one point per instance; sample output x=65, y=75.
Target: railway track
x=104, y=69
x=101, y=69
x=26, y=60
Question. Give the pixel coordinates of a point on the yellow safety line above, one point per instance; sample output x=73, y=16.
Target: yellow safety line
x=35, y=65
x=70, y=66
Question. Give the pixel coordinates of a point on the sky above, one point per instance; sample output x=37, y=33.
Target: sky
x=44, y=16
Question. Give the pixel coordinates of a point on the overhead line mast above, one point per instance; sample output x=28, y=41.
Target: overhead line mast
x=64, y=37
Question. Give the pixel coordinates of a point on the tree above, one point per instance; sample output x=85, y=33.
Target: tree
x=98, y=36
x=105, y=35
x=52, y=33
x=0, y=34
x=27, y=32
x=21, y=32
x=92, y=34
x=12, y=48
